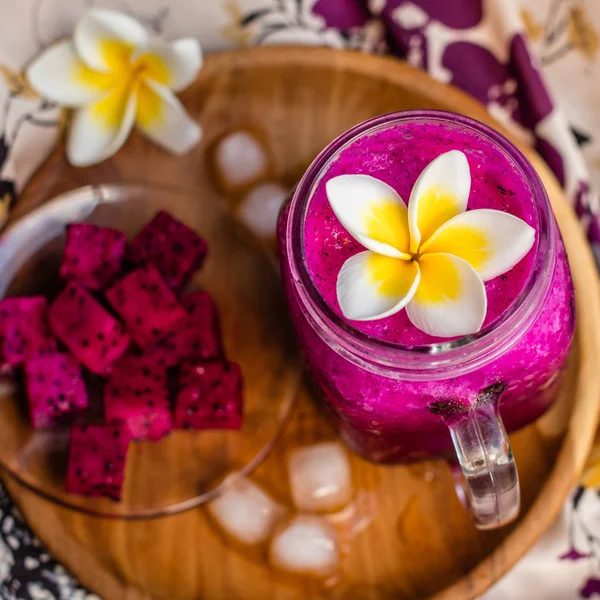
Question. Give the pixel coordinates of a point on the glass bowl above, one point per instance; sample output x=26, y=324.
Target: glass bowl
x=186, y=468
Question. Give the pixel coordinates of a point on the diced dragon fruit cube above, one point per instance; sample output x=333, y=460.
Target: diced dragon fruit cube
x=92, y=255
x=210, y=396
x=24, y=332
x=55, y=389
x=94, y=336
x=97, y=455
x=136, y=394
x=205, y=315
x=148, y=307
x=198, y=337
x=172, y=247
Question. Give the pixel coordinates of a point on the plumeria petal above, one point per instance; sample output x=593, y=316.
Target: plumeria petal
x=173, y=65
x=105, y=40
x=371, y=286
x=440, y=193
x=372, y=212
x=491, y=241
x=163, y=119
x=100, y=129
x=450, y=300
x=58, y=75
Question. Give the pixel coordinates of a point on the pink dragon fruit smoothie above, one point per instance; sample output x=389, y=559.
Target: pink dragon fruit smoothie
x=393, y=391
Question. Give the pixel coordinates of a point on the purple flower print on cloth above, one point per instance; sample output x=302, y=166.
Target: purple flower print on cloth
x=594, y=231
x=588, y=217
x=583, y=533
x=405, y=24
x=534, y=99
x=574, y=554
x=552, y=157
x=458, y=14
x=455, y=44
x=591, y=588
x=485, y=72
x=341, y=14
x=581, y=199
x=486, y=78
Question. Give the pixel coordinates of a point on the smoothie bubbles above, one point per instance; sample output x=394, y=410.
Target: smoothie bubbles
x=431, y=294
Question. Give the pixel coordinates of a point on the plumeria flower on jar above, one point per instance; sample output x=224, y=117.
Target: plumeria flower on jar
x=431, y=257
x=115, y=76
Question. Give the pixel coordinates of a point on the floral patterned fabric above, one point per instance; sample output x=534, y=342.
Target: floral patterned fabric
x=27, y=572
x=533, y=63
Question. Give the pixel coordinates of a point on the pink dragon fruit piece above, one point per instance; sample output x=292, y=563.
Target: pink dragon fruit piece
x=92, y=255
x=198, y=337
x=172, y=247
x=136, y=394
x=24, y=332
x=97, y=455
x=205, y=316
x=55, y=390
x=148, y=307
x=210, y=396
x=94, y=336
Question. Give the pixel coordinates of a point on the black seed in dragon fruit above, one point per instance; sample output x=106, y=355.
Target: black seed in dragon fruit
x=97, y=455
x=198, y=337
x=55, y=390
x=172, y=247
x=24, y=332
x=148, y=307
x=210, y=395
x=93, y=255
x=136, y=394
x=93, y=335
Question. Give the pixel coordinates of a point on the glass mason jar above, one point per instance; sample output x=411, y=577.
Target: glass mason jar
x=461, y=394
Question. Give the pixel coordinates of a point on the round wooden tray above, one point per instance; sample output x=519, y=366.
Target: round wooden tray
x=420, y=542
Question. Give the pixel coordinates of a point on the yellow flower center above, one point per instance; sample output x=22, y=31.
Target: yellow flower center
x=387, y=222
x=436, y=206
x=439, y=280
x=393, y=276
x=126, y=77
x=467, y=242
x=123, y=71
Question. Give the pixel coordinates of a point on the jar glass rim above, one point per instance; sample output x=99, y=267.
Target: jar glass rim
x=463, y=353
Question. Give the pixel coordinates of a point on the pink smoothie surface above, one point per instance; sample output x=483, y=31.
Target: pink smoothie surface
x=397, y=155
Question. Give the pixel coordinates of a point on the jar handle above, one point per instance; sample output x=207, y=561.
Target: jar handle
x=490, y=478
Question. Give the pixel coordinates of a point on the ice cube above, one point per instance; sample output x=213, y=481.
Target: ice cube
x=320, y=477
x=306, y=545
x=240, y=159
x=246, y=512
x=260, y=208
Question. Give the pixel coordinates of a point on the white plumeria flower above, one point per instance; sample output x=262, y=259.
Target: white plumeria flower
x=432, y=257
x=115, y=75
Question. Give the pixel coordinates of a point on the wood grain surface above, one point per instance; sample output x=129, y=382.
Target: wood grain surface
x=420, y=542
